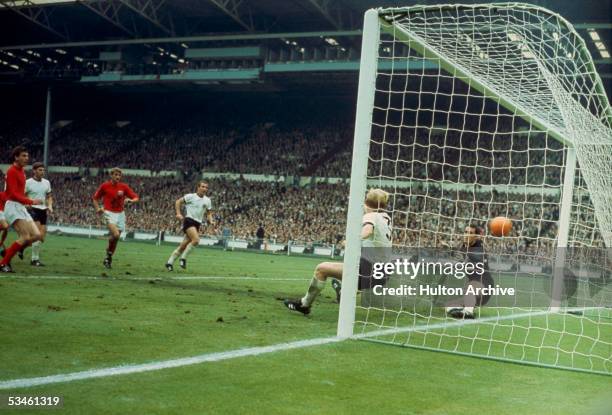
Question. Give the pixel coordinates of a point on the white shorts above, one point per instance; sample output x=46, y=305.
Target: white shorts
x=16, y=211
x=117, y=219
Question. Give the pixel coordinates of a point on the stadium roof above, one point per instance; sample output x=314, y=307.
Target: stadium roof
x=38, y=36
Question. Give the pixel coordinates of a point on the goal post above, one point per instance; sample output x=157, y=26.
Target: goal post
x=361, y=147
x=464, y=113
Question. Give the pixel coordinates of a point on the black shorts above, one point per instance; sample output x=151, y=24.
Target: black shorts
x=366, y=281
x=487, y=281
x=188, y=223
x=38, y=215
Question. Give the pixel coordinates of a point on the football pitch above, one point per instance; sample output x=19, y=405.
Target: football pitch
x=74, y=316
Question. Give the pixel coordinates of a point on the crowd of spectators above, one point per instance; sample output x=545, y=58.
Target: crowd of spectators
x=315, y=214
x=431, y=159
x=453, y=156
x=171, y=147
x=420, y=153
x=283, y=151
x=257, y=149
x=423, y=215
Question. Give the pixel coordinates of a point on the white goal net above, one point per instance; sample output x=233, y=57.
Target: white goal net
x=466, y=113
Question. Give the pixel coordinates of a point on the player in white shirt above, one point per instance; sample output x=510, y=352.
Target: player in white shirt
x=37, y=187
x=197, y=205
x=375, y=233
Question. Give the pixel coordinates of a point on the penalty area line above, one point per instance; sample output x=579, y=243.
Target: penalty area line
x=251, y=351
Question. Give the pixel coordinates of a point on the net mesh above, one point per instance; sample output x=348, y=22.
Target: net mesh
x=474, y=109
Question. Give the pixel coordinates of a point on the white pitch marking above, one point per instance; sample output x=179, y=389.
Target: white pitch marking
x=157, y=278
x=240, y=278
x=231, y=354
x=166, y=364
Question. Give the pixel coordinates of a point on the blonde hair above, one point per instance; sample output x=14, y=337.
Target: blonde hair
x=377, y=199
x=115, y=169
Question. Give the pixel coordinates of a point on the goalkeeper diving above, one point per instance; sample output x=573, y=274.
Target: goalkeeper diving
x=375, y=233
x=472, y=251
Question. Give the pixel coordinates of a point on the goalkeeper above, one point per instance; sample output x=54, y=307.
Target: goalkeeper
x=474, y=253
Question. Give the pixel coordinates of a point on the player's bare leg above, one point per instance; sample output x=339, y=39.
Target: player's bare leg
x=37, y=245
x=113, y=239
x=3, y=234
x=42, y=229
x=322, y=272
x=177, y=252
x=333, y=271
x=194, y=240
x=28, y=233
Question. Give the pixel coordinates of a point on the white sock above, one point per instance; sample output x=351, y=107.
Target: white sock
x=314, y=289
x=36, y=250
x=174, y=256
x=469, y=310
x=186, y=251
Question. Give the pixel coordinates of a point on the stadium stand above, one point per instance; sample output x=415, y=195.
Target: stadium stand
x=315, y=213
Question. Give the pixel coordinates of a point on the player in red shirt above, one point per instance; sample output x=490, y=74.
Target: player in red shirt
x=15, y=212
x=3, y=224
x=114, y=194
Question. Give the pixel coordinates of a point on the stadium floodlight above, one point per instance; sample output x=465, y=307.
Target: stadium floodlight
x=594, y=35
x=513, y=121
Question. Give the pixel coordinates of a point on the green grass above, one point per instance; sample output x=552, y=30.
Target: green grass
x=560, y=340
x=136, y=314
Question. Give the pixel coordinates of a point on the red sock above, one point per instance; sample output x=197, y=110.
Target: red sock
x=25, y=246
x=112, y=245
x=10, y=253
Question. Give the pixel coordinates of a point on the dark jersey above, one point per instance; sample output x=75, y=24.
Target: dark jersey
x=474, y=254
